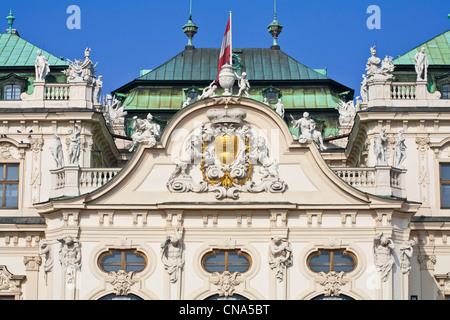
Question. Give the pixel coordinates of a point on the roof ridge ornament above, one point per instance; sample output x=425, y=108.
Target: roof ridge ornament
x=10, y=18
x=275, y=28
x=190, y=28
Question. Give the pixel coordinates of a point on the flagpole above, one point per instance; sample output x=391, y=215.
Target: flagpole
x=231, y=43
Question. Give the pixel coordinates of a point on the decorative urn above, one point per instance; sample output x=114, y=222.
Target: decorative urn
x=226, y=79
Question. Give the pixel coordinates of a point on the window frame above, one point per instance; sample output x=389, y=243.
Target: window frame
x=331, y=264
x=13, y=94
x=445, y=91
x=441, y=182
x=4, y=182
x=226, y=263
x=122, y=260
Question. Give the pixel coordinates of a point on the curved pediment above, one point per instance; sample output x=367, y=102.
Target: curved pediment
x=228, y=152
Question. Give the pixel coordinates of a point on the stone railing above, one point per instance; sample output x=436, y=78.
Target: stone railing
x=402, y=94
x=72, y=181
x=56, y=91
x=379, y=180
x=56, y=95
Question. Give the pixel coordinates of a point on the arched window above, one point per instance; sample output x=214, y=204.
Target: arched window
x=113, y=296
x=128, y=260
x=331, y=260
x=226, y=260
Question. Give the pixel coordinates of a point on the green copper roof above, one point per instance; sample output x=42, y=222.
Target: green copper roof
x=437, y=50
x=15, y=51
x=200, y=64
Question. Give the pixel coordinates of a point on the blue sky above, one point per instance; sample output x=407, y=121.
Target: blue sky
x=126, y=36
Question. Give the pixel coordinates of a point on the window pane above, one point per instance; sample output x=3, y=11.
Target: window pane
x=320, y=262
x=7, y=93
x=133, y=267
x=219, y=257
x=1, y=172
x=133, y=257
x=111, y=267
x=342, y=262
x=12, y=172
x=1, y=195
x=445, y=171
x=446, y=91
x=16, y=93
x=445, y=195
x=234, y=257
x=111, y=258
x=237, y=267
x=215, y=267
x=11, y=195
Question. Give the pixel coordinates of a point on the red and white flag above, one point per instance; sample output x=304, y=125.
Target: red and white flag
x=225, y=51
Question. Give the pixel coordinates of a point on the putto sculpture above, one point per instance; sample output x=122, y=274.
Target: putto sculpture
x=244, y=85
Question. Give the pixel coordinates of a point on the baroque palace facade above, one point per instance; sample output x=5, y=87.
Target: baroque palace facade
x=174, y=187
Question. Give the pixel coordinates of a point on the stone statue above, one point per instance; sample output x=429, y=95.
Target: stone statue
x=304, y=124
x=377, y=73
x=244, y=85
x=347, y=112
x=46, y=250
x=372, y=63
x=364, y=89
x=98, y=89
x=187, y=102
x=421, y=61
x=380, y=147
x=406, y=251
x=145, y=130
x=316, y=135
x=57, y=151
x=279, y=108
x=74, y=146
x=42, y=67
x=384, y=260
x=266, y=102
x=226, y=282
x=280, y=256
x=399, y=150
x=113, y=111
x=261, y=154
x=81, y=71
x=209, y=91
x=70, y=256
x=172, y=255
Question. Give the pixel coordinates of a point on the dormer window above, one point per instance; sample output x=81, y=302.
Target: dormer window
x=11, y=92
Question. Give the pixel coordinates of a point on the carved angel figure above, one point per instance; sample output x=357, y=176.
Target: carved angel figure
x=244, y=85
x=261, y=154
x=280, y=256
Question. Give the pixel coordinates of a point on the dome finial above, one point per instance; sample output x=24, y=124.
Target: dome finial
x=275, y=27
x=10, y=20
x=190, y=28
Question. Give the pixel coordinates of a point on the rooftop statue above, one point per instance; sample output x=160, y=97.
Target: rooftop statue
x=114, y=111
x=378, y=70
x=209, y=91
x=244, y=85
x=42, y=67
x=81, y=71
x=308, y=130
x=347, y=112
x=364, y=89
x=98, y=89
x=421, y=61
x=145, y=130
x=279, y=108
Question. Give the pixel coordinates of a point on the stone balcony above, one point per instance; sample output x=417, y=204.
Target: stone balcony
x=75, y=95
x=72, y=181
x=402, y=94
x=379, y=180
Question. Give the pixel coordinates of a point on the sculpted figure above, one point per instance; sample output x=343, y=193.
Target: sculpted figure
x=316, y=135
x=304, y=124
x=266, y=102
x=187, y=102
x=261, y=154
x=57, y=151
x=209, y=91
x=364, y=89
x=400, y=149
x=70, y=256
x=145, y=131
x=384, y=260
x=380, y=147
x=75, y=146
x=421, y=61
x=114, y=111
x=98, y=89
x=172, y=255
x=42, y=67
x=406, y=251
x=280, y=256
x=372, y=63
x=45, y=249
x=279, y=108
x=244, y=85
x=347, y=112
